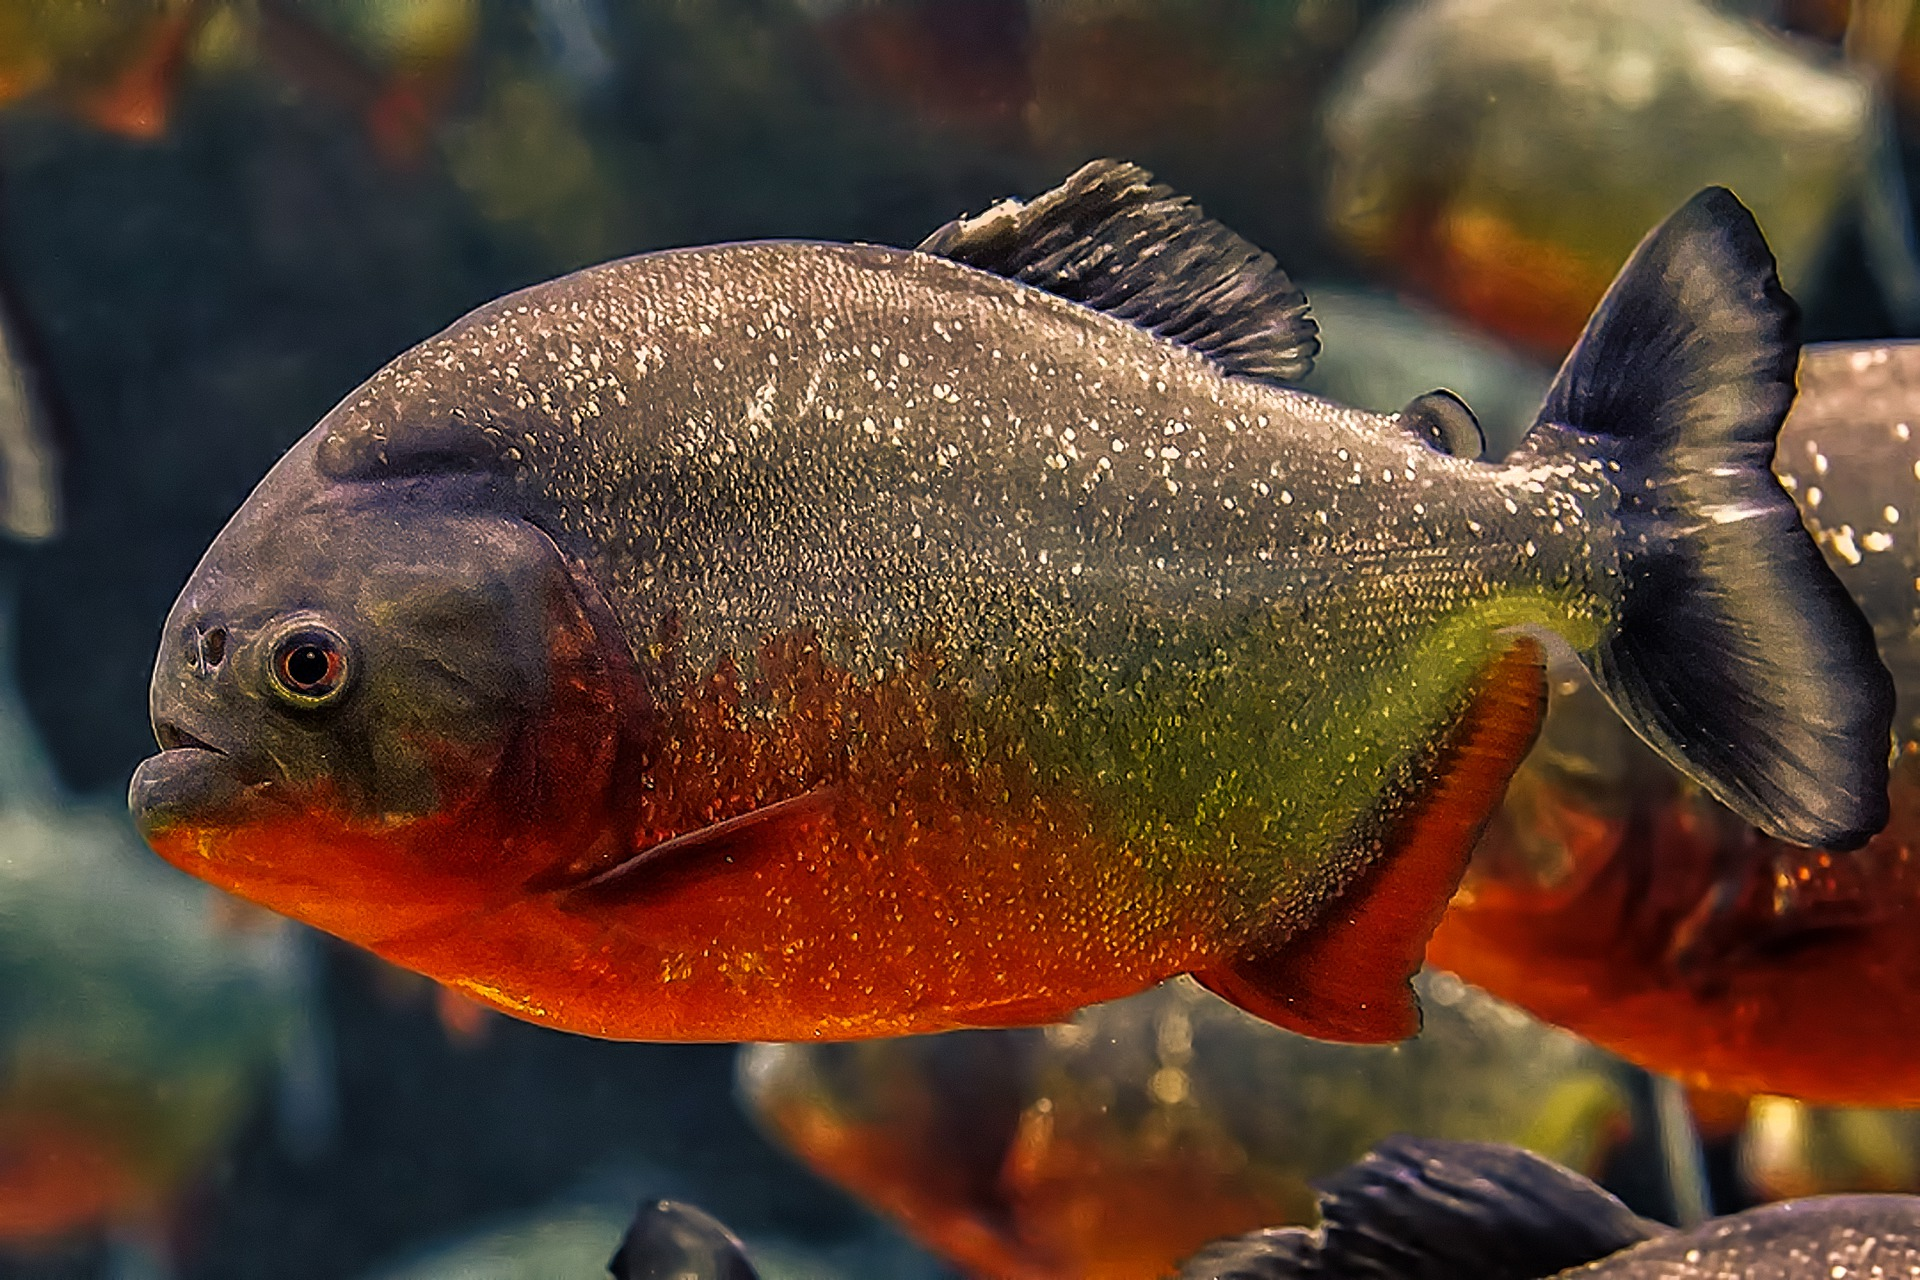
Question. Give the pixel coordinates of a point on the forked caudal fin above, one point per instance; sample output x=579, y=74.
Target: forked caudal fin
x=1725, y=641
x=1427, y=1209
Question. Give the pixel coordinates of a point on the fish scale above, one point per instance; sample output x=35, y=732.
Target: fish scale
x=1115, y=505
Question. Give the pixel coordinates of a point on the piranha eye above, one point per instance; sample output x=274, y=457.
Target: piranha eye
x=310, y=665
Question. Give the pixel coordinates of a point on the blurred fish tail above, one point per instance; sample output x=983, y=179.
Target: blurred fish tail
x=1721, y=635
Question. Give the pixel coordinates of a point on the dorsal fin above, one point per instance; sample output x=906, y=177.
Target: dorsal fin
x=1442, y=419
x=1113, y=239
x=1430, y=1209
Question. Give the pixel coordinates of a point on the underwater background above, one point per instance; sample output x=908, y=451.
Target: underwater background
x=218, y=216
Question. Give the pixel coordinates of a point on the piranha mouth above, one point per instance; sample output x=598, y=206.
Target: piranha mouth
x=191, y=783
x=173, y=738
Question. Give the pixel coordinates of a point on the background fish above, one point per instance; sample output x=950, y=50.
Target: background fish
x=114, y=64
x=1611, y=897
x=787, y=640
x=1446, y=1210
x=1502, y=155
x=1112, y=1146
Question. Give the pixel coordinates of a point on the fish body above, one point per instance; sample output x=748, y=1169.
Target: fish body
x=1612, y=898
x=790, y=640
x=1445, y=1210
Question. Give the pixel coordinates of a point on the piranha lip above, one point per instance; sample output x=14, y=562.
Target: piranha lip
x=173, y=738
x=191, y=782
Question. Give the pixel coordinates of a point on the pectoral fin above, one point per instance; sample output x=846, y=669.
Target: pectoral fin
x=1347, y=976
x=728, y=841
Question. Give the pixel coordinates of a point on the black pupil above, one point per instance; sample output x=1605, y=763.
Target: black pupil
x=308, y=666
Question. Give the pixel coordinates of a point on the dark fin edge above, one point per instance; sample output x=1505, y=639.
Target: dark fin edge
x=1113, y=239
x=1349, y=975
x=1731, y=648
x=666, y=1238
x=1431, y=1209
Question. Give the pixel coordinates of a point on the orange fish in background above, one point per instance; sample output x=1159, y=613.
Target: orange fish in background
x=1114, y=1145
x=1497, y=155
x=115, y=65
x=1612, y=898
x=119, y=66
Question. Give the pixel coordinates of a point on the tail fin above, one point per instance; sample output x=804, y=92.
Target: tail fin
x=1725, y=640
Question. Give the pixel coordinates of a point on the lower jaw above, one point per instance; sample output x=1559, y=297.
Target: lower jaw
x=192, y=790
x=358, y=886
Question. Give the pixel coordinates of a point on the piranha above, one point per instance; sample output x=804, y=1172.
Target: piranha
x=793, y=640
x=1439, y=1210
x=1612, y=897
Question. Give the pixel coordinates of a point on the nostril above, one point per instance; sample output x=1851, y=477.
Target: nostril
x=213, y=646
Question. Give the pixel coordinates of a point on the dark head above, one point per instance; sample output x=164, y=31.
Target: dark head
x=380, y=698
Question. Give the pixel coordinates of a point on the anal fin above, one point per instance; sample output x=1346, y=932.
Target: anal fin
x=1348, y=976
